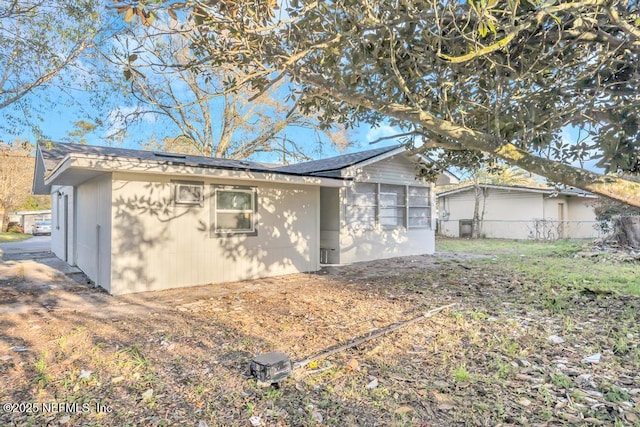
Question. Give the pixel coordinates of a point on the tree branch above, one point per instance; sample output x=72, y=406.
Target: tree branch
x=608, y=186
x=628, y=28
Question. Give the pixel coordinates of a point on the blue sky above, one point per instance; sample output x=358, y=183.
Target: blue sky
x=58, y=117
x=57, y=120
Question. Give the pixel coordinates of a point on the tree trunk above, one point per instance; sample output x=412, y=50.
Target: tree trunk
x=3, y=223
x=627, y=231
x=476, y=210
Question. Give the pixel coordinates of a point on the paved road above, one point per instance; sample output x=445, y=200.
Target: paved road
x=31, y=247
x=36, y=249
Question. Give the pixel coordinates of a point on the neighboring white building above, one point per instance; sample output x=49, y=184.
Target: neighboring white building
x=519, y=212
x=27, y=219
x=137, y=220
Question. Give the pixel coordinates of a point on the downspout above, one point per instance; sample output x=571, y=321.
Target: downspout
x=98, y=255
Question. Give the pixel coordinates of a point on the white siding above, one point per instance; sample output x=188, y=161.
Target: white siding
x=514, y=214
x=93, y=225
x=370, y=243
x=582, y=218
x=393, y=170
x=508, y=214
x=157, y=245
x=58, y=226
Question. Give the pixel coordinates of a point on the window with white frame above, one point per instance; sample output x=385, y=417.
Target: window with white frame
x=234, y=210
x=388, y=206
x=188, y=192
x=391, y=213
x=362, y=205
x=419, y=214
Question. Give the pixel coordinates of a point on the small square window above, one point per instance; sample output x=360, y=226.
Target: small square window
x=188, y=193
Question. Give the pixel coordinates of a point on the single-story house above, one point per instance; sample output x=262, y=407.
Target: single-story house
x=136, y=220
x=27, y=219
x=518, y=212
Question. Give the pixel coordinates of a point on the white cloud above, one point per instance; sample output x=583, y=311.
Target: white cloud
x=381, y=132
x=119, y=117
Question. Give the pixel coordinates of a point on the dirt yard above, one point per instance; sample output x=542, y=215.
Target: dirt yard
x=511, y=352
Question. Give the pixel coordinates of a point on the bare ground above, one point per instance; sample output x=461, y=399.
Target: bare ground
x=507, y=354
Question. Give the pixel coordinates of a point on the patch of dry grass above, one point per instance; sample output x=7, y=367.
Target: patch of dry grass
x=485, y=362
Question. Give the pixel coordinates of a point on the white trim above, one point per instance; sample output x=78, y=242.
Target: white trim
x=176, y=187
x=515, y=188
x=252, y=211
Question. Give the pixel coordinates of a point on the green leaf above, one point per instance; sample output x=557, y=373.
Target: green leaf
x=491, y=26
x=482, y=29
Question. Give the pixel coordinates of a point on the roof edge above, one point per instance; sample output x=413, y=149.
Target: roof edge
x=578, y=192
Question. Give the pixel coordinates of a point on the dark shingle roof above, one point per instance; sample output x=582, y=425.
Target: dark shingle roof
x=332, y=164
x=54, y=152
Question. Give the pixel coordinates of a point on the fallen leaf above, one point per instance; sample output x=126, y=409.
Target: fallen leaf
x=631, y=417
x=147, y=394
x=352, y=365
x=403, y=410
x=443, y=398
x=524, y=402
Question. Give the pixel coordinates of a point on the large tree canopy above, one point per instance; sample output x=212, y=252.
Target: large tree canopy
x=206, y=120
x=502, y=79
x=39, y=41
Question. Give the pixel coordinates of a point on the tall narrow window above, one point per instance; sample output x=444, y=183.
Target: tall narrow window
x=392, y=206
x=234, y=210
x=361, y=206
x=419, y=207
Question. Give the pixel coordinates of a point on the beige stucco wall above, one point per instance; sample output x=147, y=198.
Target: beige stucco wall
x=157, y=245
x=377, y=243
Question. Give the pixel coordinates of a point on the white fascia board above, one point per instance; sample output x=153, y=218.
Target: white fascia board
x=350, y=171
x=111, y=164
x=62, y=166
